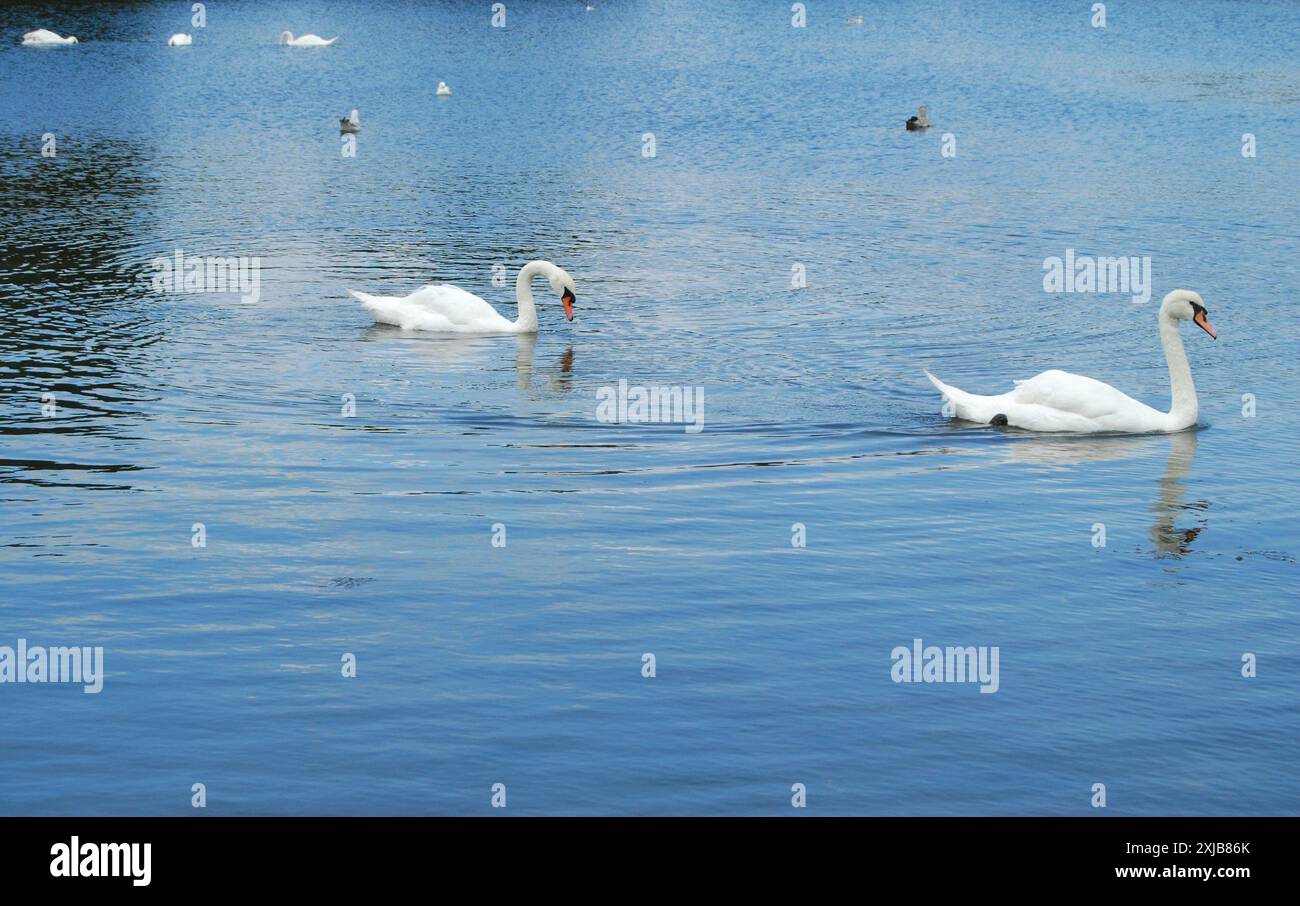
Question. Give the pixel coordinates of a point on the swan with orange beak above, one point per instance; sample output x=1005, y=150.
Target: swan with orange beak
x=444, y=308
x=1061, y=401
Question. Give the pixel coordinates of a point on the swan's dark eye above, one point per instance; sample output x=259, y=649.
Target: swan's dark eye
x=568, y=297
x=1197, y=309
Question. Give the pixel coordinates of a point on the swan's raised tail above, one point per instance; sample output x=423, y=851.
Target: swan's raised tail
x=386, y=310
x=968, y=406
x=370, y=301
x=938, y=384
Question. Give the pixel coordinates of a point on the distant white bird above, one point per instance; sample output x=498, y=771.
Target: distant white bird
x=350, y=123
x=305, y=40
x=920, y=121
x=443, y=90
x=44, y=36
x=179, y=40
x=1061, y=401
x=856, y=20
x=450, y=309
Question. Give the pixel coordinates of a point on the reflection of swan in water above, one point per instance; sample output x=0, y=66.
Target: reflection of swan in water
x=524, y=366
x=449, y=349
x=560, y=378
x=1167, y=537
x=524, y=361
x=563, y=381
x=1076, y=449
x=464, y=352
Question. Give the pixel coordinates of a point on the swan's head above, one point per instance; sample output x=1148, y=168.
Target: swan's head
x=563, y=284
x=286, y=37
x=1185, y=305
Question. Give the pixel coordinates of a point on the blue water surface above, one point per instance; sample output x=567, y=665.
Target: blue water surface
x=775, y=148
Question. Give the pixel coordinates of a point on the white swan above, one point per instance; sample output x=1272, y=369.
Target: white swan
x=1060, y=401
x=305, y=40
x=45, y=36
x=443, y=90
x=450, y=309
x=180, y=40
x=920, y=121
x=351, y=123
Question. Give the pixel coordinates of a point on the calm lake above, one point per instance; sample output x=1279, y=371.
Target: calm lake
x=233, y=497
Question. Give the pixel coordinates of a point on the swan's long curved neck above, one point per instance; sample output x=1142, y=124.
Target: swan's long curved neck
x=1182, y=391
x=527, y=319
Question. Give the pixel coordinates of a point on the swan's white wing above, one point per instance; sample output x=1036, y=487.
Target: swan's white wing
x=1057, y=401
x=441, y=308
x=1075, y=394
x=455, y=304
x=399, y=312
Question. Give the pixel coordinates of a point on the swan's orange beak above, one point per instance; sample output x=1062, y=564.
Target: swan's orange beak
x=1201, y=321
x=568, y=301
